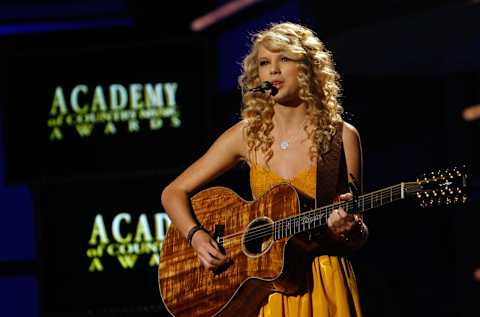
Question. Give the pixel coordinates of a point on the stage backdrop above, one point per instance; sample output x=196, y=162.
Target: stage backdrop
x=112, y=107
x=97, y=125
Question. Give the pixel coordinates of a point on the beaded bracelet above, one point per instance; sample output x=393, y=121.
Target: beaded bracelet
x=192, y=232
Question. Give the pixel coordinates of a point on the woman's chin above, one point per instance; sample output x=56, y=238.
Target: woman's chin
x=288, y=102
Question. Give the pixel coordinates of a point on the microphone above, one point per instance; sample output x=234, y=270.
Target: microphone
x=264, y=87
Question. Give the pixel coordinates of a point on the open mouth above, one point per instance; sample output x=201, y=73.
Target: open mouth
x=276, y=83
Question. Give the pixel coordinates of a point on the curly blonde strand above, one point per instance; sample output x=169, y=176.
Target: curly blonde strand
x=318, y=82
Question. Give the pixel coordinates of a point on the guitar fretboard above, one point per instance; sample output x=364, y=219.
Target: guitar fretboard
x=318, y=217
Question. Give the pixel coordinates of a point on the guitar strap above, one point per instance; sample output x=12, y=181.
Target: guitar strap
x=332, y=178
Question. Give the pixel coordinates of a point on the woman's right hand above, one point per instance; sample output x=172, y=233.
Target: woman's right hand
x=207, y=250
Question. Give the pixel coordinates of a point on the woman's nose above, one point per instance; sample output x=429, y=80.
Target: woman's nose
x=275, y=69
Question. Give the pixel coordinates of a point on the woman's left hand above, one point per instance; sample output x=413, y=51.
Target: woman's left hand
x=339, y=222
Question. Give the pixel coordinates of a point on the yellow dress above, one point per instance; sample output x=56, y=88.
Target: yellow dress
x=334, y=291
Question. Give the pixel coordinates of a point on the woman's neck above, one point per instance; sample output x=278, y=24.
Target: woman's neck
x=288, y=119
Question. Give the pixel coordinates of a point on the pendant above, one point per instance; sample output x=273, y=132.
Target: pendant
x=284, y=145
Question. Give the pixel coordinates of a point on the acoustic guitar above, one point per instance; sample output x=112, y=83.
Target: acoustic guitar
x=269, y=242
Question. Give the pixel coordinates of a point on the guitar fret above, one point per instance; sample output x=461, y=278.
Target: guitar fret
x=318, y=217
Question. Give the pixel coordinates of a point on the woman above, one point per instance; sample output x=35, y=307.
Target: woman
x=282, y=137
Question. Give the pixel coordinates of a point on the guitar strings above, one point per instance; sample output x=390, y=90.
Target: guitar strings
x=285, y=225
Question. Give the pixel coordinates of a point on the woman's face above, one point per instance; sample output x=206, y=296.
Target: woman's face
x=282, y=72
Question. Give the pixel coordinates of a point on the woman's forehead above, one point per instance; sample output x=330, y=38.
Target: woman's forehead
x=265, y=52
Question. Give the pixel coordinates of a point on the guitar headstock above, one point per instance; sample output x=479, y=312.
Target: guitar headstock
x=444, y=187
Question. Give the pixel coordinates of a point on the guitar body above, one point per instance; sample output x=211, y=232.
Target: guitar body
x=259, y=265
x=267, y=242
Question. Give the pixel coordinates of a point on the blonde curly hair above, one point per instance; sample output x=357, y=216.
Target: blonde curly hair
x=318, y=82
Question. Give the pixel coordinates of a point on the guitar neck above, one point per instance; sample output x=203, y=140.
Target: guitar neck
x=316, y=218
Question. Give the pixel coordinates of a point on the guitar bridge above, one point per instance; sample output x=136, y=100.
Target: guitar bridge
x=218, y=236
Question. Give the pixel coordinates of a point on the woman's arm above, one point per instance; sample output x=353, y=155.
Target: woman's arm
x=225, y=153
x=353, y=154
x=350, y=228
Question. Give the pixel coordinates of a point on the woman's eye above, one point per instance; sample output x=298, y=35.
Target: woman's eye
x=285, y=59
x=262, y=63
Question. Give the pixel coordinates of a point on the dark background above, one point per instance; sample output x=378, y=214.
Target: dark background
x=409, y=69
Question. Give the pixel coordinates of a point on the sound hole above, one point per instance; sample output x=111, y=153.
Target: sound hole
x=259, y=237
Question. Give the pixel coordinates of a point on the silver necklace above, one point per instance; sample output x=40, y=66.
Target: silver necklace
x=285, y=143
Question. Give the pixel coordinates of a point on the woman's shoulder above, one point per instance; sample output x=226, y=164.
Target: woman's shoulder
x=234, y=138
x=236, y=131
x=349, y=131
x=350, y=136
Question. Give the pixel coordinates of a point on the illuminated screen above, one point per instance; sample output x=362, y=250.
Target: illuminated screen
x=99, y=248
x=113, y=107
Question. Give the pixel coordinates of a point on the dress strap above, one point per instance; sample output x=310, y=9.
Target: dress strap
x=332, y=176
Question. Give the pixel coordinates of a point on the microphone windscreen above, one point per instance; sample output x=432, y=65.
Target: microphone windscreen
x=266, y=85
